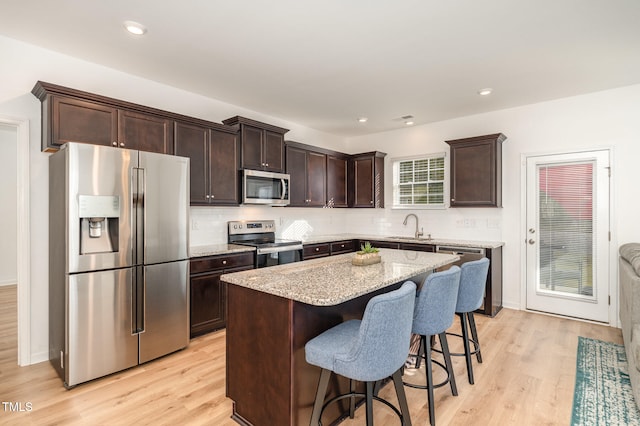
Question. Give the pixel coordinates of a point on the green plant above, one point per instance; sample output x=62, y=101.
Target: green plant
x=367, y=248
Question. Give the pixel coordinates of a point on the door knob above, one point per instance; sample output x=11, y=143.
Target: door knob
x=531, y=241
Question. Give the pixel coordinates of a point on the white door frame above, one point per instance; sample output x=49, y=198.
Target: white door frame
x=614, y=320
x=24, y=238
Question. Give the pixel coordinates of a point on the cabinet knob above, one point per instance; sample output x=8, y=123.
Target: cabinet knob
x=371, y=202
x=341, y=245
x=453, y=199
x=114, y=143
x=317, y=248
x=206, y=196
x=224, y=262
x=213, y=196
x=266, y=164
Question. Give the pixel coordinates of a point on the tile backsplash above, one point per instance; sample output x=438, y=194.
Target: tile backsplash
x=209, y=224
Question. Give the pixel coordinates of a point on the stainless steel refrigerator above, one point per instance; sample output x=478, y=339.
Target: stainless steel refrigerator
x=118, y=259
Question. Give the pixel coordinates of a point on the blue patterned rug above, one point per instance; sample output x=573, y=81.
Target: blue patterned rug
x=602, y=395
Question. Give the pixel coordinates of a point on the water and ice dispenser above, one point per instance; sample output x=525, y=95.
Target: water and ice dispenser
x=99, y=217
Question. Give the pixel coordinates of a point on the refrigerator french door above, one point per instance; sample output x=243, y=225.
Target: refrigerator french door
x=118, y=236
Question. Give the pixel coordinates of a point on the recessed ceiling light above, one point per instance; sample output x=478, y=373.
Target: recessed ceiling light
x=134, y=27
x=409, y=123
x=485, y=92
x=362, y=119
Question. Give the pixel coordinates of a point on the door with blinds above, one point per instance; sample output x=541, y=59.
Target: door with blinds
x=567, y=234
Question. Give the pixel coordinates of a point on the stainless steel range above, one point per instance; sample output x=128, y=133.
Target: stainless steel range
x=261, y=234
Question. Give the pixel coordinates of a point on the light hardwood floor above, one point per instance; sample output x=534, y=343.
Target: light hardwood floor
x=527, y=378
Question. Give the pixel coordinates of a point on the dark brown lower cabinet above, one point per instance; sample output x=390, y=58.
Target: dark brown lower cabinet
x=312, y=251
x=208, y=295
x=418, y=247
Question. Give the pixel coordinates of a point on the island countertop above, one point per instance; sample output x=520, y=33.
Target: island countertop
x=334, y=280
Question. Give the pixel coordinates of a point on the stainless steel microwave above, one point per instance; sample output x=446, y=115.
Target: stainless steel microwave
x=266, y=188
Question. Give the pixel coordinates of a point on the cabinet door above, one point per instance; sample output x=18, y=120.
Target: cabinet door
x=273, y=155
x=476, y=171
x=207, y=303
x=223, y=161
x=193, y=141
x=297, y=169
x=316, y=179
x=337, y=181
x=473, y=175
x=145, y=132
x=73, y=120
x=251, y=147
x=363, y=185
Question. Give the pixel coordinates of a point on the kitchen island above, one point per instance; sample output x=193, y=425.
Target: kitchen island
x=273, y=312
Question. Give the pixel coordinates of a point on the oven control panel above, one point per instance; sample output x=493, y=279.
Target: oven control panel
x=251, y=227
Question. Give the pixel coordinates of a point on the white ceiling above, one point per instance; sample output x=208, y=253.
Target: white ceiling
x=324, y=63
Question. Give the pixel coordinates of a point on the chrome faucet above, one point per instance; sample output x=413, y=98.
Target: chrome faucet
x=418, y=233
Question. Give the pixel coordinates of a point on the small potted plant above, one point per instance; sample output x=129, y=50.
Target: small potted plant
x=368, y=255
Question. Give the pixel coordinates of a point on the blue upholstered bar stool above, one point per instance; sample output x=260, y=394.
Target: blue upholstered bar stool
x=366, y=350
x=433, y=315
x=473, y=278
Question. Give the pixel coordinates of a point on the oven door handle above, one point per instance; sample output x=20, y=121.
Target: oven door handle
x=268, y=250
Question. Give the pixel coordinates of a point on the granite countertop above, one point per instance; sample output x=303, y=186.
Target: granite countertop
x=333, y=280
x=315, y=239
x=216, y=249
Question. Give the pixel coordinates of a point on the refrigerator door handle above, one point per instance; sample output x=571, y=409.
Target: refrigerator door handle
x=138, y=305
x=139, y=211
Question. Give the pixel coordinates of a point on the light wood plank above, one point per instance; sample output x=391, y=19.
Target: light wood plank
x=527, y=378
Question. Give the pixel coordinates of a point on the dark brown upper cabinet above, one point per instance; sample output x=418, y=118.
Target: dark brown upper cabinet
x=214, y=154
x=337, y=184
x=476, y=171
x=261, y=144
x=308, y=171
x=366, y=180
x=70, y=115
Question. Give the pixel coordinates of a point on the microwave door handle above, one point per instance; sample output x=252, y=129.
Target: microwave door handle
x=284, y=189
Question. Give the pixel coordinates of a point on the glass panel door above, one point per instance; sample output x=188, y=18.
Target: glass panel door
x=567, y=234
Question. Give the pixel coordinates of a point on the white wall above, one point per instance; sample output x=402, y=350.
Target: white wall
x=603, y=119
x=8, y=205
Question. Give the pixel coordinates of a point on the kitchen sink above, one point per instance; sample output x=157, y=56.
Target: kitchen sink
x=394, y=237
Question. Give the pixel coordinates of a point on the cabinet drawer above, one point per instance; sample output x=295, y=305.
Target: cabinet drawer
x=418, y=247
x=342, y=247
x=221, y=262
x=382, y=244
x=316, y=250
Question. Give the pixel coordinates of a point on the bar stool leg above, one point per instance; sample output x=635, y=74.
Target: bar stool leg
x=474, y=335
x=467, y=350
x=402, y=398
x=429, y=372
x=323, y=383
x=447, y=361
x=369, y=404
x=352, y=400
